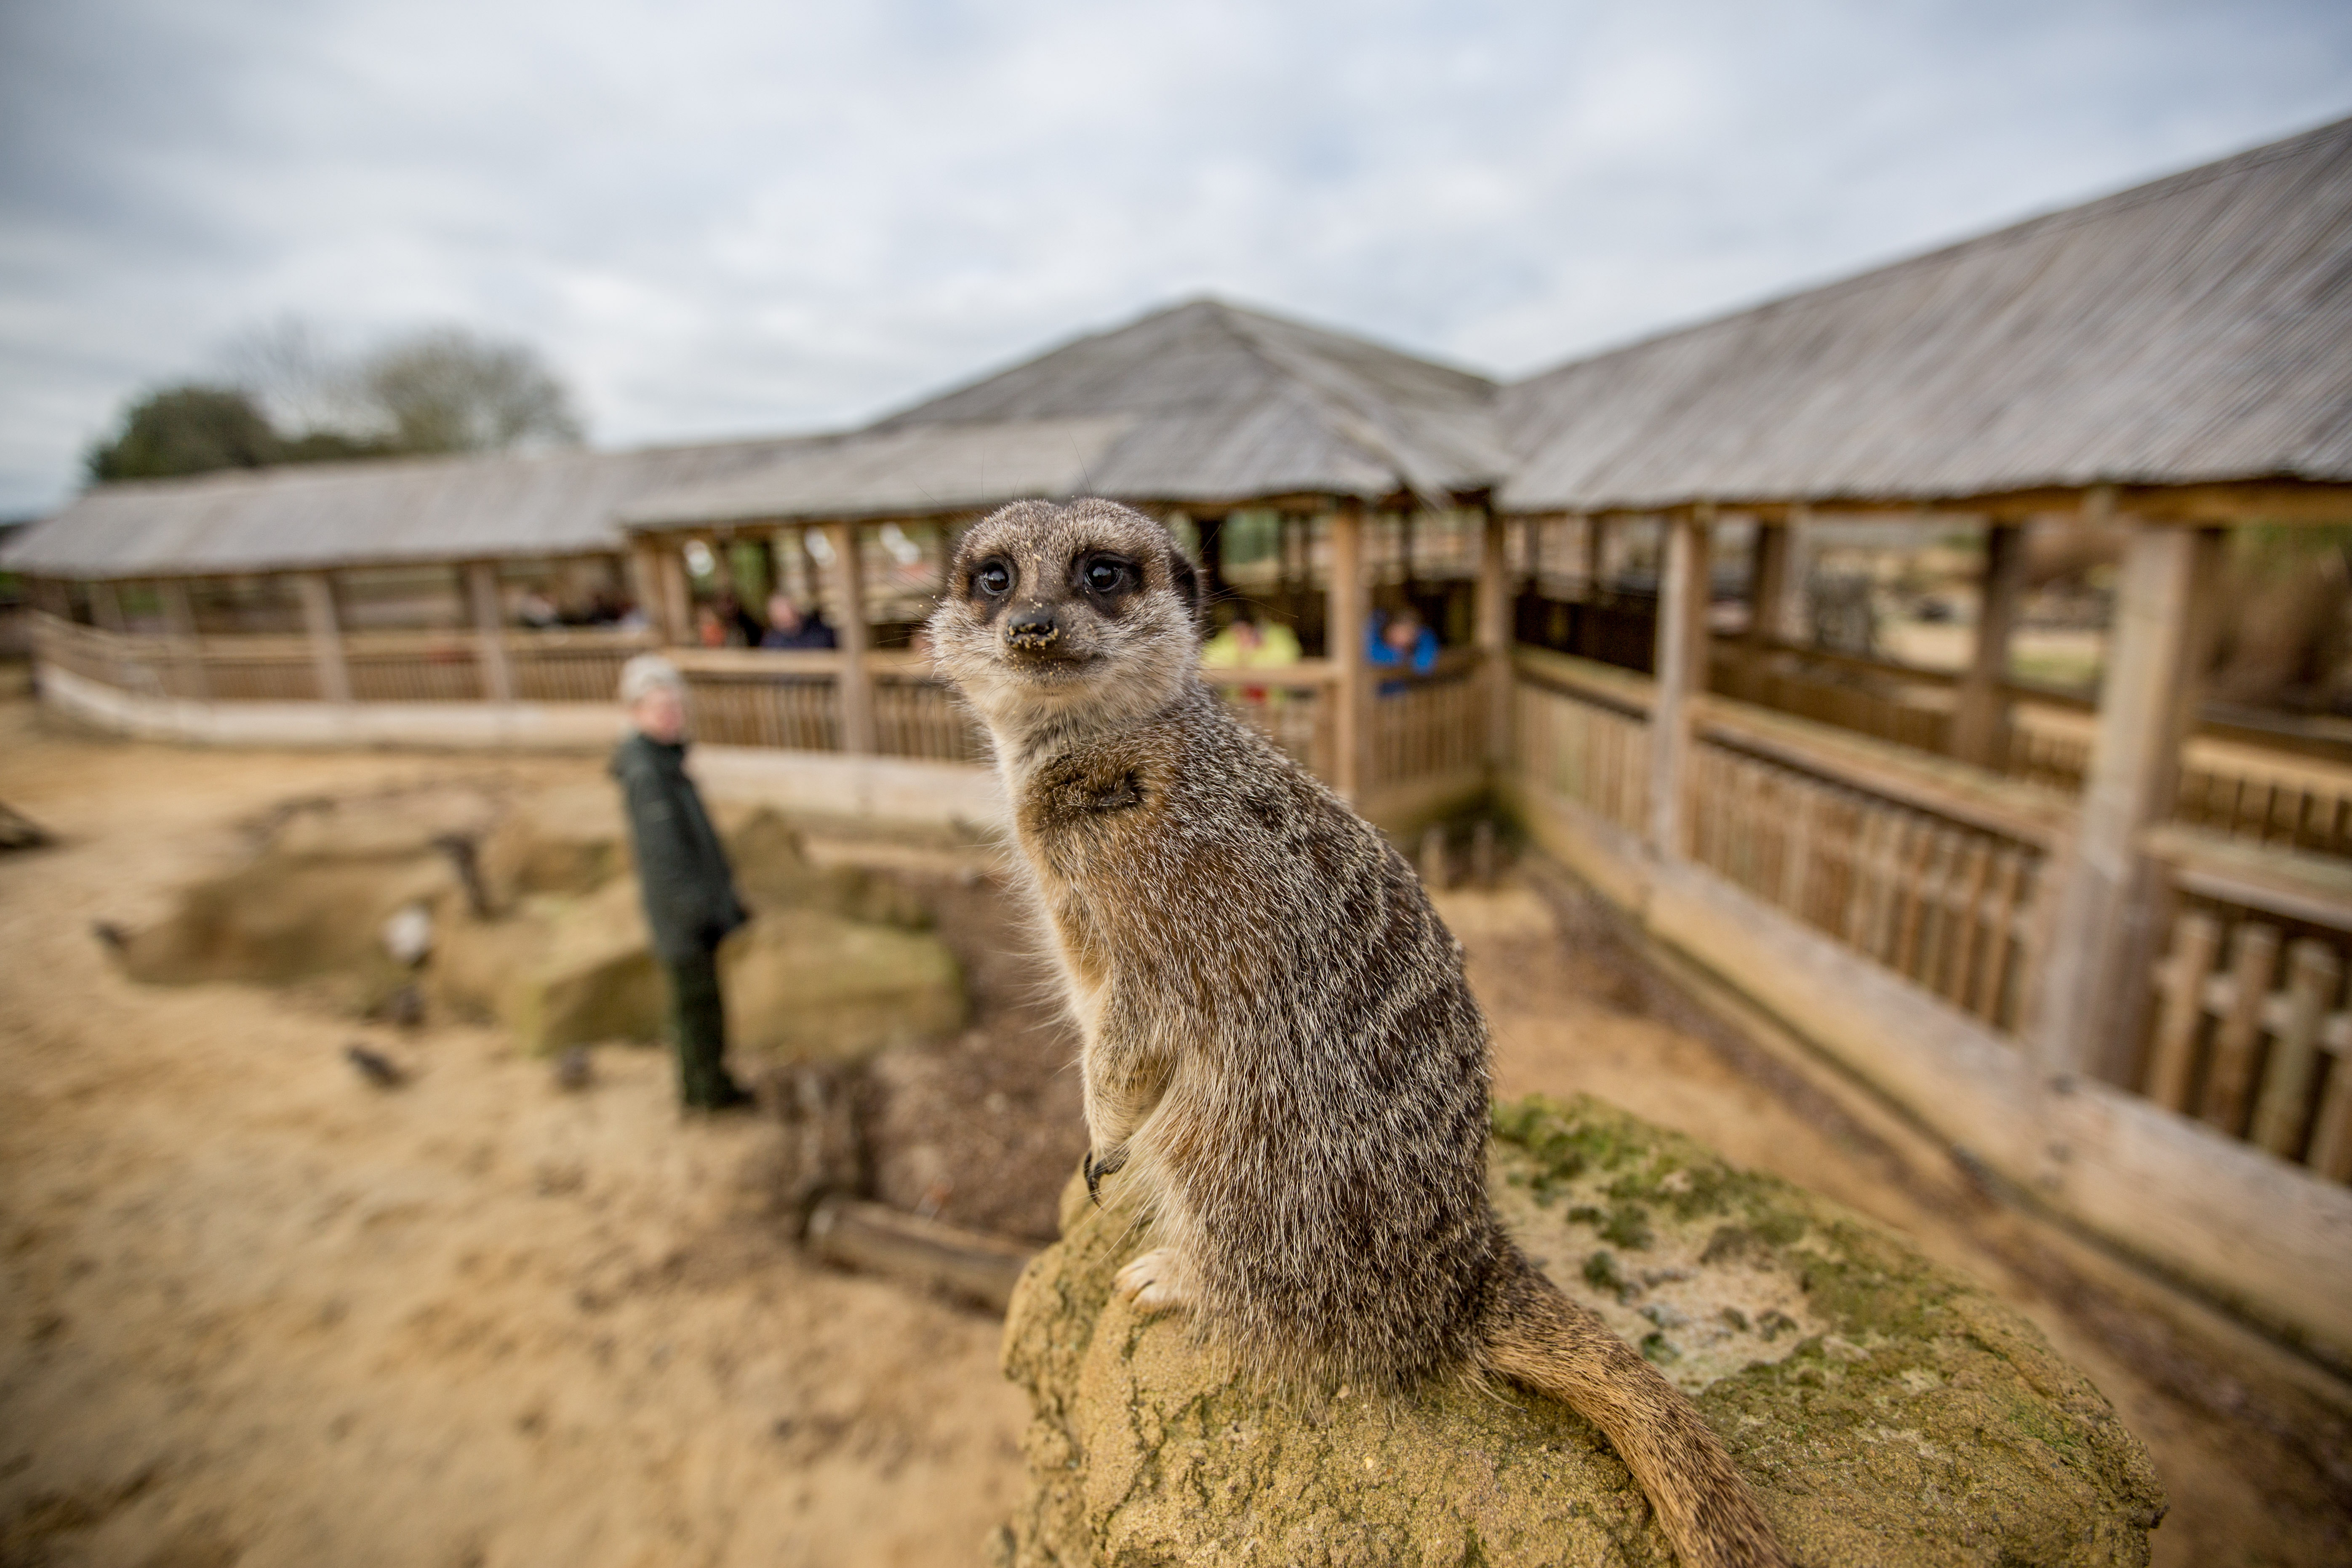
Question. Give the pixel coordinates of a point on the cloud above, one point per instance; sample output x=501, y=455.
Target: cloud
x=727, y=217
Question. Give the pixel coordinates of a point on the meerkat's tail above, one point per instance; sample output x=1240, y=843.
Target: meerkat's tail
x=1539, y=1338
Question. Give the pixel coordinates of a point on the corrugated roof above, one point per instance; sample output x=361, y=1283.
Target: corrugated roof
x=2198, y=329
x=347, y=514
x=903, y=472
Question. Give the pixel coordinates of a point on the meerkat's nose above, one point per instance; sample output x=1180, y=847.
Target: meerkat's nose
x=1031, y=627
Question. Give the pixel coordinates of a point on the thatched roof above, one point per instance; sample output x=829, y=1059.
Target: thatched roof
x=1203, y=402
x=2195, y=329
x=923, y=471
x=370, y=513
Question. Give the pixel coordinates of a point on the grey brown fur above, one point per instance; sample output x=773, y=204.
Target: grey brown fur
x=1280, y=1047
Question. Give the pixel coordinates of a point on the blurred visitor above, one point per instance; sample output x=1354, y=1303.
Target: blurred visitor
x=789, y=628
x=538, y=612
x=682, y=875
x=1400, y=641
x=1251, y=642
x=709, y=626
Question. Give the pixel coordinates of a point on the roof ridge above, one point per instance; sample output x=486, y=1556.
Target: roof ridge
x=1363, y=430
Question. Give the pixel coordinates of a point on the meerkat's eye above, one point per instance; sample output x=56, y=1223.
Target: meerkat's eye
x=993, y=578
x=1106, y=574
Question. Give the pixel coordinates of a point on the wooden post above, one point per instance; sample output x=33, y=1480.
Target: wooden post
x=317, y=594
x=857, y=682
x=1789, y=622
x=489, y=631
x=1343, y=642
x=645, y=586
x=1768, y=583
x=180, y=627
x=106, y=607
x=1494, y=636
x=1977, y=723
x=1596, y=553
x=1682, y=671
x=2100, y=939
x=677, y=617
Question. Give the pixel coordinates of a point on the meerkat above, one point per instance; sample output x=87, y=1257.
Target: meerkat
x=1279, y=1044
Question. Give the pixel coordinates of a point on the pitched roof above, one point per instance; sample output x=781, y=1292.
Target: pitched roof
x=1201, y=402
x=2198, y=329
x=369, y=513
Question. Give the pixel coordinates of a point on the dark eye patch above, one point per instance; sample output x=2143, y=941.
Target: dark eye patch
x=1104, y=575
x=993, y=578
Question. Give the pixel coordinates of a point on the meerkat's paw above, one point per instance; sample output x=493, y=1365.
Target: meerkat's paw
x=1153, y=1282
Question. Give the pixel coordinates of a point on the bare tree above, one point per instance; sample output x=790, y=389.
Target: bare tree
x=448, y=389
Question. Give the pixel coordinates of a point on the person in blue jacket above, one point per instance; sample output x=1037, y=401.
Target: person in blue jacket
x=1400, y=641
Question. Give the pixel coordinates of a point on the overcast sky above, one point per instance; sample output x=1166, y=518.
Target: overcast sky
x=720, y=219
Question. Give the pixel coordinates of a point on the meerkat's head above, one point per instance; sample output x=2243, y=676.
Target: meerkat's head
x=1062, y=616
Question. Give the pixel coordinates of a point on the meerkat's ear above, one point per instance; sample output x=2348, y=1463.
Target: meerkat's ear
x=1187, y=578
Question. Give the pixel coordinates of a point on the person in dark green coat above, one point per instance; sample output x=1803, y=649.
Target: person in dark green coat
x=682, y=872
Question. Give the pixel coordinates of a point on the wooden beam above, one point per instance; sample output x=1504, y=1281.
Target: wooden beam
x=2092, y=976
x=856, y=679
x=106, y=607
x=1344, y=619
x=677, y=618
x=1981, y=717
x=1768, y=583
x=180, y=627
x=1493, y=634
x=645, y=586
x=489, y=631
x=317, y=592
x=1596, y=551
x=1682, y=672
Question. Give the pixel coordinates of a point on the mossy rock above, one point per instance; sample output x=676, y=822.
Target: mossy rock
x=1889, y=1413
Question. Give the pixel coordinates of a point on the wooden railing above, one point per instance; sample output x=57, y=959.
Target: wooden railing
x=743, y=697
x=1934, y=872
x=1290, y=705
x=415, y=667
x=1434, y=727
x=2251, y=1033
x=1580, y=732
x=567, y=665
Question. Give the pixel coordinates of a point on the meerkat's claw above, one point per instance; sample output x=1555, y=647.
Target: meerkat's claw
x=1152, y=1282
x=1110, y=1164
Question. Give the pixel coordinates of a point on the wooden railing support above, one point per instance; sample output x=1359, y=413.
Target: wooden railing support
x=317, y=592
x=645, y=586
x=677, y=598
x=180, y=627
x=1493, y=639
x=856, y=679
x=1682, y=672
x=1343, y=620
x=489, y=631
x=106, y=609
x=1979, y=720
x=1768, y=583
x=2107, y=907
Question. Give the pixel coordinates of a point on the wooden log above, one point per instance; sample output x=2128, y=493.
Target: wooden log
x=924, y=1252
x=1493, y=639
x=2092, y=993
x=318, y=619
x=489, y=631
x=856, y=679
x=2253, y=959
x=2313, y=973
x=1344, y=618
x=1682, y=675
x=2180, y=987
x=1977, y=722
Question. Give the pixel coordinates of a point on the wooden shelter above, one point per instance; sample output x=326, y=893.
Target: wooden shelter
x=389, y=582
x=2102, y=951
x=2097, y=940
x=1199, y=413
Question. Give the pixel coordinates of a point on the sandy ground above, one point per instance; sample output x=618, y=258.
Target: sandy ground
x=254, y=1313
